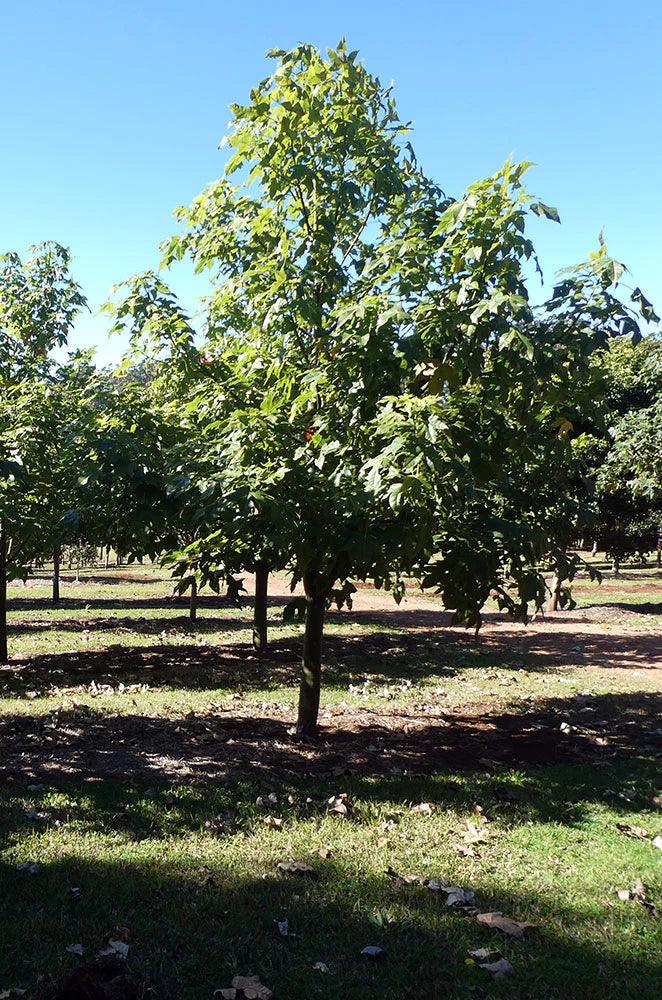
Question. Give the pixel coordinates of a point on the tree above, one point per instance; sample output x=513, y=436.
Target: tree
x=124, y=501
x=65, y=403
x=407, y=413
x=224, y=521
x=622, y=454
x=39, y=300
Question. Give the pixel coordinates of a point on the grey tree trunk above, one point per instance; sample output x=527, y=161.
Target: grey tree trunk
x=555, y=596
x=311, y=666
x=3, y=596
x=193, y=601
x=56, y=575
x=260, y=637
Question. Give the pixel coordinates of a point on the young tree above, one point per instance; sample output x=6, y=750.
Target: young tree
x=39, y=301
x=409, y=413
x=123, y=500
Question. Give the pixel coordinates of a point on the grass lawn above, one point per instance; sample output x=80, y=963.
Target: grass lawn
x=148, y=764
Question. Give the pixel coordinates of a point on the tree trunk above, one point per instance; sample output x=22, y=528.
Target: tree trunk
x=107, y=556
x=658, y=554
x=617, y=567
x=3, y=597
x=78, y=563
x=193, y=601
x=260, y=608
x=555, y=596
x=311, y=666
x=594, y=550
x=56, y=575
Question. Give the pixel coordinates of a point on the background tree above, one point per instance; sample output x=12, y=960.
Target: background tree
x=225, y=521
x=621, y=453
x=39, y=300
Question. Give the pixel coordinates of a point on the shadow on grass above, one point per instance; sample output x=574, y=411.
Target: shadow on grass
x=381, y=656
x=177, y=622
x=83, y=743
x=643, y=608
x=143, y=810
x=195, y=918
x=135, y=604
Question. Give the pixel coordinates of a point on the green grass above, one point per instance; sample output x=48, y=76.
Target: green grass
x=189, y=871
x=201, y=904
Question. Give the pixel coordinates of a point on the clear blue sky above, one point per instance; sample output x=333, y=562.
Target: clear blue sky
x=111, y=114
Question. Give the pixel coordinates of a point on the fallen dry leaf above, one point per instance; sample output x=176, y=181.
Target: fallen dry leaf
x=320, y=967
x=372, y=951
x=455, y=895
x=118, y=949
x=245, y=988
x=404, y=879
x=638, y=893
x=501, y=967
x=283, y=928
x=297, y=868
x=508, y=926
x=458, y=897
x=75, y=949
x=466, y=850
x=339, y=804
x=275, y=822
x=472, y=835
x=426, y=808
x=483, y=954
x=636, y=832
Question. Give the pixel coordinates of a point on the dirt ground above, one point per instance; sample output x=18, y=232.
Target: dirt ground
x=240, y=736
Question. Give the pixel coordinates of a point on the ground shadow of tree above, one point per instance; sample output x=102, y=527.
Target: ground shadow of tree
x=222, y=741
x=178, y=622
x=129, y=603
x=381, y=656
x=142, y=808
x=643, y=608
x=192, y=925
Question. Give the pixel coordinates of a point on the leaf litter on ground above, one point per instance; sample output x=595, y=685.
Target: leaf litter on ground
x=116, y=949
x=301, y=868
x=372, y=952
x=497, y=921
x=498, y=969
x=245, y=988
x=638, y=893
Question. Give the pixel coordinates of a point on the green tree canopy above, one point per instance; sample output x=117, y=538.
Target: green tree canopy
x=387, y=402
